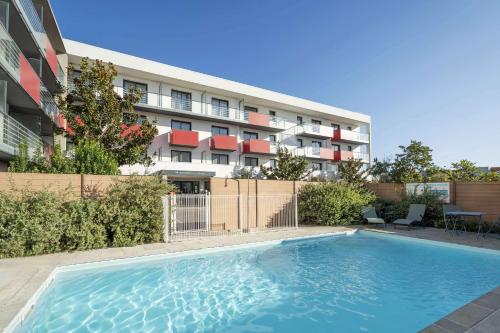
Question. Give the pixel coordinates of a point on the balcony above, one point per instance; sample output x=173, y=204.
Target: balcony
x=314, y=131
x=13, y=133
x=350, y=136
x=342, y=156
x=15, y=64
x=204, y=110
x=33, y=23
x=361, y=156
x=223, y=142
x=315, y=152
x=255, y=146
x=183, y=138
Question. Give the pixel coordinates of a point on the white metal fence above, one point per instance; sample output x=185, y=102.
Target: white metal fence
x=199, y=215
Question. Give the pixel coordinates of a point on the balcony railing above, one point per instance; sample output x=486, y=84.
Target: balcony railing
x=348, y=135
x=255, y=146
x=361, y=156
x=32, y=20
x=15, y=63
x=315, y=130
x=13, y=133
x=315, y=152
x=167, y=102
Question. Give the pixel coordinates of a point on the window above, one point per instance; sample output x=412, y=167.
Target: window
x=317, y=166
x=336, y=147
x=251, y=161
x=335, y=127
x=300, y=143
x=220, y=107
x=181, y=100
x=128, y=118
x=349, y=128
x=272, y=113
x=220, y=159
x=317, y=144
x=129, y=86
x=316, y=147
x=272, y=164
x=349, y=148
x=272, y=138
x=250, y=136
x=181, y=125
x=217, y=130
x=300, y=121
x=317, y=122
x=251, y=109
x=181, y=156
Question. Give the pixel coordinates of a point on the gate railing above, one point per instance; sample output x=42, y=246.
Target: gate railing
x=189, y=216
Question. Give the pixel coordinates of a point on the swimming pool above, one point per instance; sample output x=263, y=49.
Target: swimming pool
x=364, y=282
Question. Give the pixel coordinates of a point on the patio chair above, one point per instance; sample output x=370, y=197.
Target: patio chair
x=415, y=216
x=370, y=216
x=453, y=221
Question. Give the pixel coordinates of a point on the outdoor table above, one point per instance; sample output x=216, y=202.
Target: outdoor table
x=458, y=214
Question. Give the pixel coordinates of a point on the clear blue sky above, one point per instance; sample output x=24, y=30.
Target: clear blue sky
x=426, y=70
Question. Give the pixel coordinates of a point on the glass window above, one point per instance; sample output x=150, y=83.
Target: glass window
x=349, y=128
x=300, y=121
x=335, y=127
x=317, y=166
x=349, y=148
x=300, y=143
x=336, y=147
x=272, y=138
x=317, y=122
x=181, y=156
x=251, y=109
x=181, y=125
x=220, y=107
x=272, y=113
x=317, y=144
x=220, y=159
x=217, y=130
x=181, y=100
x=138, y=87
x=272, y=163
x=250, y=136
x=251, y=161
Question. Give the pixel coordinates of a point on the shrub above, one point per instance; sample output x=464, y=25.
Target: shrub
x=91, y=158
x=134, y=211
x=332, y=203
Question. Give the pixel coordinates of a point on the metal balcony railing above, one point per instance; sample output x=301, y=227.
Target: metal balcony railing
x=13, y=133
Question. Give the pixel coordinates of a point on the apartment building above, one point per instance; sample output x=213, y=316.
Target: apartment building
x=212, y=127
x=32, y=62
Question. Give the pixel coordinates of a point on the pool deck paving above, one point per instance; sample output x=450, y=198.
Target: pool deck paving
x=20, y=278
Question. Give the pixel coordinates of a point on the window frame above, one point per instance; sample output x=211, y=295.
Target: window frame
x=181, y=122
x=219, y=128
x=249, y=158
x=218, y=156
x=189, y=105
x=245, y=133
x=217, y=106
x=313, y=164
x=180, y=153
x=144, y=94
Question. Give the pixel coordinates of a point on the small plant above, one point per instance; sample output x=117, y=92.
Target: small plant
x=91, y=158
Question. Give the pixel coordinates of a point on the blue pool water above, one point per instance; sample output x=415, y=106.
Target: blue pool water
x=360, y=283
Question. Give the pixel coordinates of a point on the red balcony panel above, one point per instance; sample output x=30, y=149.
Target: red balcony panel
x=61, y=121
x=326, y=153
x=29, y=79
x=256, y=147
x=183, y=138
x=223, y=142
x=255, y=118
x=342, y=155
x=336, y=135
x=51, y=58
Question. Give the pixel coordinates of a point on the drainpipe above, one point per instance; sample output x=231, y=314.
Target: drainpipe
x=203, y=101
x=240, y=102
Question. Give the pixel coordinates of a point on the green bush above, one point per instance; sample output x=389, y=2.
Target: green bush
x=91, y=158
x=332, y=203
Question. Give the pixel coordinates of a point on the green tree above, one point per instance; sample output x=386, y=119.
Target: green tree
x=60, y=163
x=381, y=170
x=464, y=170
x=288, y=166
x=21, y=161
x=413, y=164
x=95, y=112
x=353, y=172
x=92, y=158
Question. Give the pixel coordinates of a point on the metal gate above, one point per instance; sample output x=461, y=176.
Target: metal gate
x=198, y=215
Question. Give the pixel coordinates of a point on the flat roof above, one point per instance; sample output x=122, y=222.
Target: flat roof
x=157, y=71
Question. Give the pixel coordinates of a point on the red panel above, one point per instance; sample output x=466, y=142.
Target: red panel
x=255, y=118
x=29, y=80
x=61, y=121
x=51, y=58
x=223, y=142
x=183, y=138
x=130, y=131
x=342, y=155
x=336, y=135
x=256, y=147
x=326, y=153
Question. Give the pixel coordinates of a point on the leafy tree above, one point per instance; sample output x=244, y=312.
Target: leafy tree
x=288, y=166
x=381, y=170
x=20, y=162
x=92, y=158
x=95, y=112
x=489, y=177
x=413, y=164
x=60, y=163
x=353, y=172
x=464, y=170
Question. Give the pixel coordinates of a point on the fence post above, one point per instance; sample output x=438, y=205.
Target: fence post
x=240, y=213
x=166, y=218
x=296, y=211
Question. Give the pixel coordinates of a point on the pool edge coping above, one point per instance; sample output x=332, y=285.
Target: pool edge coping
x=26, y=309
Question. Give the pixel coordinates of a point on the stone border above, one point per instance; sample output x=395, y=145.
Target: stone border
x=479, y=316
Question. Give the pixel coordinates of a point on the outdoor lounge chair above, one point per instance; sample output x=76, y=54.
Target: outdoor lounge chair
x=450, y=222
x=370, y=216
x=415, y=216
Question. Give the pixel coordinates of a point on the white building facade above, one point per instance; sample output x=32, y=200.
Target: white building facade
x=212, y=127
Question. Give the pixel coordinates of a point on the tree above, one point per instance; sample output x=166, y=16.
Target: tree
x=464, y=170
x=414, y=164
x=288, y=166
x=95, y=112
x=353, y=172
x=381, y=170
x=92, y=158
